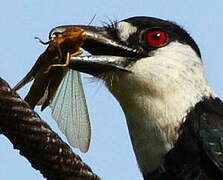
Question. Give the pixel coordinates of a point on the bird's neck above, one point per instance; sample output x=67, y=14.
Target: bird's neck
x=153, y=124
x=156, y=98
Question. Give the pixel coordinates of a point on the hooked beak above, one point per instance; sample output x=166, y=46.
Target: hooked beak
x=107, y=52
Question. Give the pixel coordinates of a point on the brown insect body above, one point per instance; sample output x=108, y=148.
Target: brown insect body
x=50, y=67
x=69, y=41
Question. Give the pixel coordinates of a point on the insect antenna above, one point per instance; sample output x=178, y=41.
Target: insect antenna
x=92, y=19
x=41, y=41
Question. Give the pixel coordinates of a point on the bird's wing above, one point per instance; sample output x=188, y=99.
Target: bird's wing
x=198, y=152
x=209, y=127
x=69, y=109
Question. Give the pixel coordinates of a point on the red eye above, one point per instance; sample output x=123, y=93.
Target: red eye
x=156, y=37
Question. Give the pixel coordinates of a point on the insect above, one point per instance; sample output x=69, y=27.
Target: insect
x=59, y=87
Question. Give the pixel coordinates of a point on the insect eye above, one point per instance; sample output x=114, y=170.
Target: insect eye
x=55, y=34
x=56, y=31
x=156, y=37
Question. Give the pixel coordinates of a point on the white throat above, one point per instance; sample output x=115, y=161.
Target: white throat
x=156, y=97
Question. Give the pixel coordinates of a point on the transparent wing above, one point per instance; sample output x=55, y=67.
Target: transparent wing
x=69, y=109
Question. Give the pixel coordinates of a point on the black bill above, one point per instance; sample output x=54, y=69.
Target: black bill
x=107, y=52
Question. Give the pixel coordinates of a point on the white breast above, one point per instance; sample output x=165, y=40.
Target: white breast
x=155, y=98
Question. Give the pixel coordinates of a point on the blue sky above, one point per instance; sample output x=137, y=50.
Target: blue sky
x=110, y=154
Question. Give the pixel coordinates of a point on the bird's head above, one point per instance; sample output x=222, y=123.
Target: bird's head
x=141, y=56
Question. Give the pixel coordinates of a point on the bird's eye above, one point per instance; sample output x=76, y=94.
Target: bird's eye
x=156, y=37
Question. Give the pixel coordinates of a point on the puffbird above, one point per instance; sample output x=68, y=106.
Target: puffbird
x=154, y=69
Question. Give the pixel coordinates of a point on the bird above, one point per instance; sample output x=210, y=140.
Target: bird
x=154, y=69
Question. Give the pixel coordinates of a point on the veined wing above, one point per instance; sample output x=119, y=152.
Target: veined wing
x=69, y=109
